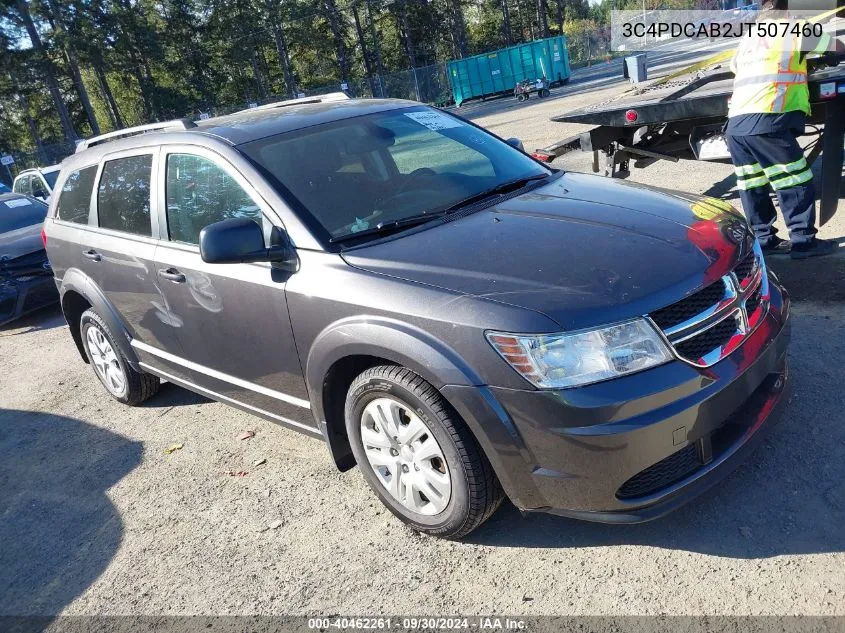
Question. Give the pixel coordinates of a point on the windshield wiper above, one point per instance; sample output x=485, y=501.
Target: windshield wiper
x=505, y=187
x=385, y=228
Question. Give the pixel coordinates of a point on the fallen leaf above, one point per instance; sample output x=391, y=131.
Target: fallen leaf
x=259, y=462
x=172, y=448
x=245, y=435
x=275, y=525
x=240, y=473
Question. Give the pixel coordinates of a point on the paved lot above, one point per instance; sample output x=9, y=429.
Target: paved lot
x=95, y=518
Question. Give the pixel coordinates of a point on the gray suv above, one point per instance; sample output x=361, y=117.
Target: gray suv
x=456, y=318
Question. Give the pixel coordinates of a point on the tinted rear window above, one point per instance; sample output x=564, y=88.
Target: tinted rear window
x=17, y=213
x=123, y=198
x=75, y=197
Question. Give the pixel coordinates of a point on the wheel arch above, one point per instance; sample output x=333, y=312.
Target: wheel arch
x=79, y=293
x=344, y=350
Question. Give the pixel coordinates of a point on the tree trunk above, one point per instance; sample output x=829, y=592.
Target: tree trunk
x=376, y=48
x=284, y=57
x=49, y=71
x=83, y=92
x=523, y=23
x=146, y=98
x=543, y=18
x=73, y=64
x=459, y=30
x=405, y=34
x=114, y=111
x=560, y=11
x=506, y=23
x=30, y=122
x=257, y=74
x=335, y=24
x=363, y=43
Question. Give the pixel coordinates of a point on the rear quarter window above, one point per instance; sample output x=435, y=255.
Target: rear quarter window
x=75, y=197
x=123, y=197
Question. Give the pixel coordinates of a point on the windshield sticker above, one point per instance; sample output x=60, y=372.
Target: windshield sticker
x=17, y=202
x=433, y=120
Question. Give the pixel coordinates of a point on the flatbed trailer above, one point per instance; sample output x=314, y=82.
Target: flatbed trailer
x=684, y=117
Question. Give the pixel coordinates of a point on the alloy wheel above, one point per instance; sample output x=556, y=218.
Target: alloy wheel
x=405, y=456
x=105, y=361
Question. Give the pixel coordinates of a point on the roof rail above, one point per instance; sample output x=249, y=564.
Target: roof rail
x=326, y=98
x=177, y=124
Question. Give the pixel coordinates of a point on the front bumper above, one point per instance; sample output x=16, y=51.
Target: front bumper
x=22, y=295
x=634, y=448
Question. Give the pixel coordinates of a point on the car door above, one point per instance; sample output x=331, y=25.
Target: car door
x=234, y=327
x=118, y=248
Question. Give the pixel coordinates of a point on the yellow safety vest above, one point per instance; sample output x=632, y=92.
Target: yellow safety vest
x=771, y=73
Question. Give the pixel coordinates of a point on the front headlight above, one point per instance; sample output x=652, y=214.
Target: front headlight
x=554, y=361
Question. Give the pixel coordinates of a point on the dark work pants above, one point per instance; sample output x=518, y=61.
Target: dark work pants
x=776, y=161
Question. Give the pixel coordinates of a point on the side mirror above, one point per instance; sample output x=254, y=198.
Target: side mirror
x=240, y=240
x=515, y=142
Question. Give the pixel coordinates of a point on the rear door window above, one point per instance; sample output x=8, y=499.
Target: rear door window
x=123, y=197
x=199, y=193
x=75, y=197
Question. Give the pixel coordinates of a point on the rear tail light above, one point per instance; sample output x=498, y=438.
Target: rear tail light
x=542, y=156
x=43, y=237
x=631, y=116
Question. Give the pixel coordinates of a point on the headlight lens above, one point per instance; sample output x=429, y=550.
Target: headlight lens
x=554, y=361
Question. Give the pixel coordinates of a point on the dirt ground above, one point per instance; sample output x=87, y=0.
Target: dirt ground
x=95, y=518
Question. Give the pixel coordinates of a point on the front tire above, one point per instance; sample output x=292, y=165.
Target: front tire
x=417, y=455
x=123, y=383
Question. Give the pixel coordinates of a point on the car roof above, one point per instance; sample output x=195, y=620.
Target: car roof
x=36, y=170
x=251, y=125
x=240, y=127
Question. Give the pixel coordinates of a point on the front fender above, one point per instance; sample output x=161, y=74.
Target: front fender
x=74, y=280
x=395, y=341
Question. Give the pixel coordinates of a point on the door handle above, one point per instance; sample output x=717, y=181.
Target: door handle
x=92, y=254
x=171, y=274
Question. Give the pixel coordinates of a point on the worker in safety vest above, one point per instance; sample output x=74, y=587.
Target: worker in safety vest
x=767, y=112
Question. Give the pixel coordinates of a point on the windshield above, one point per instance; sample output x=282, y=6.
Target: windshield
x=16, y=213
x=356, y=174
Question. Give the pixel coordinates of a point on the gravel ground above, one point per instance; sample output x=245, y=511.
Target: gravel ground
x=95, y=518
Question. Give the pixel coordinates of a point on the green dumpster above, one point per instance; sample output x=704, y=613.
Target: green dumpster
x=499, y=71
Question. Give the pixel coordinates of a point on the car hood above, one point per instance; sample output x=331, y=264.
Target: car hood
x=583, y=250
x=20, y=242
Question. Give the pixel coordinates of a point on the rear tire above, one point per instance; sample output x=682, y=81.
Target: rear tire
x=418, y=456
x=123, y=383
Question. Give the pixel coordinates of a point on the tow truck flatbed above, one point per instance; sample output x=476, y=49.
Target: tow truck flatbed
x=683, y=117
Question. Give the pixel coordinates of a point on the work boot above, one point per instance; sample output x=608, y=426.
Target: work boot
x=777, y=246
x=814, y=248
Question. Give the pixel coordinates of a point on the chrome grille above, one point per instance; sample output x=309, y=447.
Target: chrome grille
x=708, y=325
